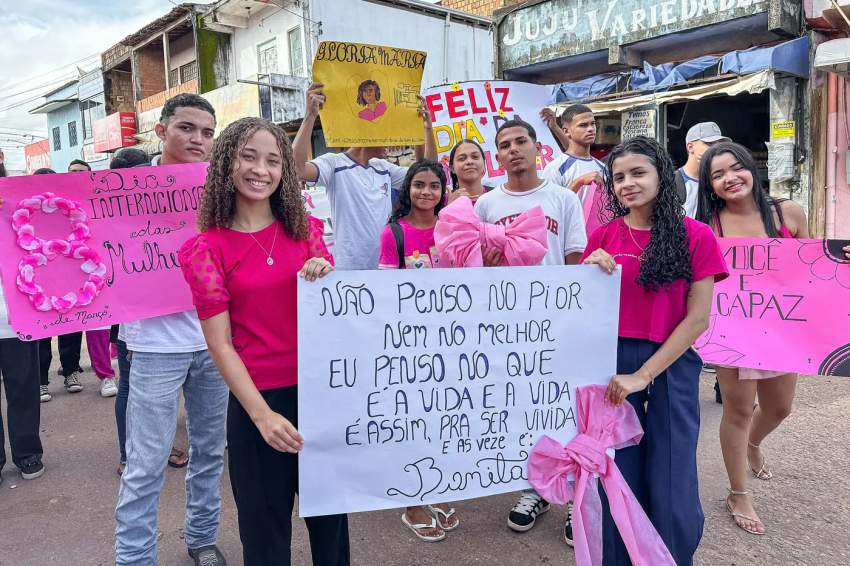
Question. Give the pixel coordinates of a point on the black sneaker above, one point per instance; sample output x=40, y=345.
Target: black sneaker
x=568, y=527
x=708, y=368
x=32, y=471
x=72, y=383
x=208, y=555
x=525, y=512
x=717, y=398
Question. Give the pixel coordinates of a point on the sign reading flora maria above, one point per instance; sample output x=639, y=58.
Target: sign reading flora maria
x=561, y=28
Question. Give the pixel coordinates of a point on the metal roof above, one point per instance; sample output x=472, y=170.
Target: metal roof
x=52, y=105
x=179, y=12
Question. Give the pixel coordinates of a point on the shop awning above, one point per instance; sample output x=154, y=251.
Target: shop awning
x=752, y=84
x=790, y=57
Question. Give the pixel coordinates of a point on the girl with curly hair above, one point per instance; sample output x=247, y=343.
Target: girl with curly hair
x=731, y=202
x=254, y=237
x=669, y=266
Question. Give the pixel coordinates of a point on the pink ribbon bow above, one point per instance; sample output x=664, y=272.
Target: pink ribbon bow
x=459, y=235
x=601, y=426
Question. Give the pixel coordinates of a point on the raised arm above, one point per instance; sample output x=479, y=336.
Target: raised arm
x=301, y=147
x=429, y=150
x=548, y=116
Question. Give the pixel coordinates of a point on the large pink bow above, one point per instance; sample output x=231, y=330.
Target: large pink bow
x=459, y=235
x=601, y=426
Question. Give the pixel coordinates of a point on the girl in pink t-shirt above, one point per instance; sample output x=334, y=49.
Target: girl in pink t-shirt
x=420, y=199
x=669, y=266
x=255, y=241
x=732, y=203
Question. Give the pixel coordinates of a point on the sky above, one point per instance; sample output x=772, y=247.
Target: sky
x=43, y=41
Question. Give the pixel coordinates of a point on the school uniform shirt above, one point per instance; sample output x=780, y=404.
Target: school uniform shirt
x=361, y=200
x=564, y=218
x=566, y=168
x=655, y=315
x=691, y=190
x=176, y=333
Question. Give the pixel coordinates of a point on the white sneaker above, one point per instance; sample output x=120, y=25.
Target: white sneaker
x=108, y=387
x=44, y=393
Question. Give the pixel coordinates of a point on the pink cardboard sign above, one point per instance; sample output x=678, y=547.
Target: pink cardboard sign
x=785, y=307
x=86, y=250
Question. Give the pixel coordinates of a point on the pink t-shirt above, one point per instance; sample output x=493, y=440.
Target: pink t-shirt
x=655, y=315
x=419, y=249
x=228, y=271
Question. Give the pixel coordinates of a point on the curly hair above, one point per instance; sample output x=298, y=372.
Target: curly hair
x=709, y=204
x=362, y=101
x=402, y=205
x=218, y=201
x=667, y=256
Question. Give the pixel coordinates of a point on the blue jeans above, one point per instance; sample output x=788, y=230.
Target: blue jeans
x=155, y=384
x=123, y=395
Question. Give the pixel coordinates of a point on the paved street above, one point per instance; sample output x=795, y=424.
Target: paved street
x=66, y=516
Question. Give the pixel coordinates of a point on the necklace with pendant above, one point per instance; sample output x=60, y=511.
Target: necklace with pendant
x=269, y=261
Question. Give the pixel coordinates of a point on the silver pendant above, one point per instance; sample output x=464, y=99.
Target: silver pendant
x=270, y=261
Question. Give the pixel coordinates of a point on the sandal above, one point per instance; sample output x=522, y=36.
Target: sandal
x=179, y=454
x=764, y=473
x=437, y=512
x=121, y=469
x=415, y=529
x=741, y=516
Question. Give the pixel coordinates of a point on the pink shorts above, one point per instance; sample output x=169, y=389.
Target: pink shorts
x=750, y=373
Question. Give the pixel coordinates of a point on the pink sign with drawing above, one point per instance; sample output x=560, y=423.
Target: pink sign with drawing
x=785, y=307
x=87, y=250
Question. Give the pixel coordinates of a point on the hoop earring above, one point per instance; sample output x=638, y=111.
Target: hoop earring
x=714, y=196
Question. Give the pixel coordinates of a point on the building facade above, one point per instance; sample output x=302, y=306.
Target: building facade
x=659, y=67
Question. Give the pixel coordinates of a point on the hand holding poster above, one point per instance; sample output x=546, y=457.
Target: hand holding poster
x=785, y=307
x=371, y=94
x=429, y=386
x=86, y=250
x=475, y=110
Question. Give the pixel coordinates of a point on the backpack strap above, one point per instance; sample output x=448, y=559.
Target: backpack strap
x=398, y=234
x=681, y=189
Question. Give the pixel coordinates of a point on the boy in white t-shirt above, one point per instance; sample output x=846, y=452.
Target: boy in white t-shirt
x=575, y=169
x=359, y=184
x=518, y=149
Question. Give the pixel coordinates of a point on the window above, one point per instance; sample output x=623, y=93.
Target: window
x=296, y=58
x=267, y=57
x=57, y=140
x=72, y=134
x=91, y=109
x=188, y=72
x=174, y=77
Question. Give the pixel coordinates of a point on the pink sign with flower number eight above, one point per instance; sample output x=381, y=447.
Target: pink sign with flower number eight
x=80, y=251
x=785, y=307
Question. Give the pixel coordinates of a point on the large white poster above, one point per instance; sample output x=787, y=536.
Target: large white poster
x=475, y=110
x=428, y=386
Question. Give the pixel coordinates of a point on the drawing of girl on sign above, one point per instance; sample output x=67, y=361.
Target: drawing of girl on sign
x=369, y=95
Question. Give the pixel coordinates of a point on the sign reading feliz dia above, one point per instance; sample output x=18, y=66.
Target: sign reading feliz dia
x=561, y=28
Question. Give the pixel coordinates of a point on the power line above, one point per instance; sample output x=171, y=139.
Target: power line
x=64, y=78
x=49, y=72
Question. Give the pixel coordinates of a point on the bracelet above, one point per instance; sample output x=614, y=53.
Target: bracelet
x=651, y=377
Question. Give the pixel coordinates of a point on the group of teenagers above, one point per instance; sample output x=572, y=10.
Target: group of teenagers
x=234, y=358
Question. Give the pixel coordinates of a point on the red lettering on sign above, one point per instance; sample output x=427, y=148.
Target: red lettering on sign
x=490, y=99
x=433, y=107
x=475, y=108
x=493, y=167
x=502, y=105
x=452, y=104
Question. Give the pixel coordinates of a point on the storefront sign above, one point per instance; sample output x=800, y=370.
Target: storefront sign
x=438, y=382
x=114, y=132
x=639, y=123
x=37, y=156
x=785, y=307
x=112, y=260
x=782, y=130
x=550, y=30
x=475, y=110
x=91, y=156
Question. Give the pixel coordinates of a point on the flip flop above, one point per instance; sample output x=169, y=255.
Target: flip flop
x=415, y=529
x=742, y=516
x=179, y=454
x=436, y=511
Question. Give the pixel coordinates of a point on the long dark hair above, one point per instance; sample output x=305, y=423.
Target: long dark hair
x=667, y=256
x=402, y=206
x=455, y=182
x=709, y=204
x=361, y=100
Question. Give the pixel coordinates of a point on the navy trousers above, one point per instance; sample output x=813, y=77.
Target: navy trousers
x=662, y=470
